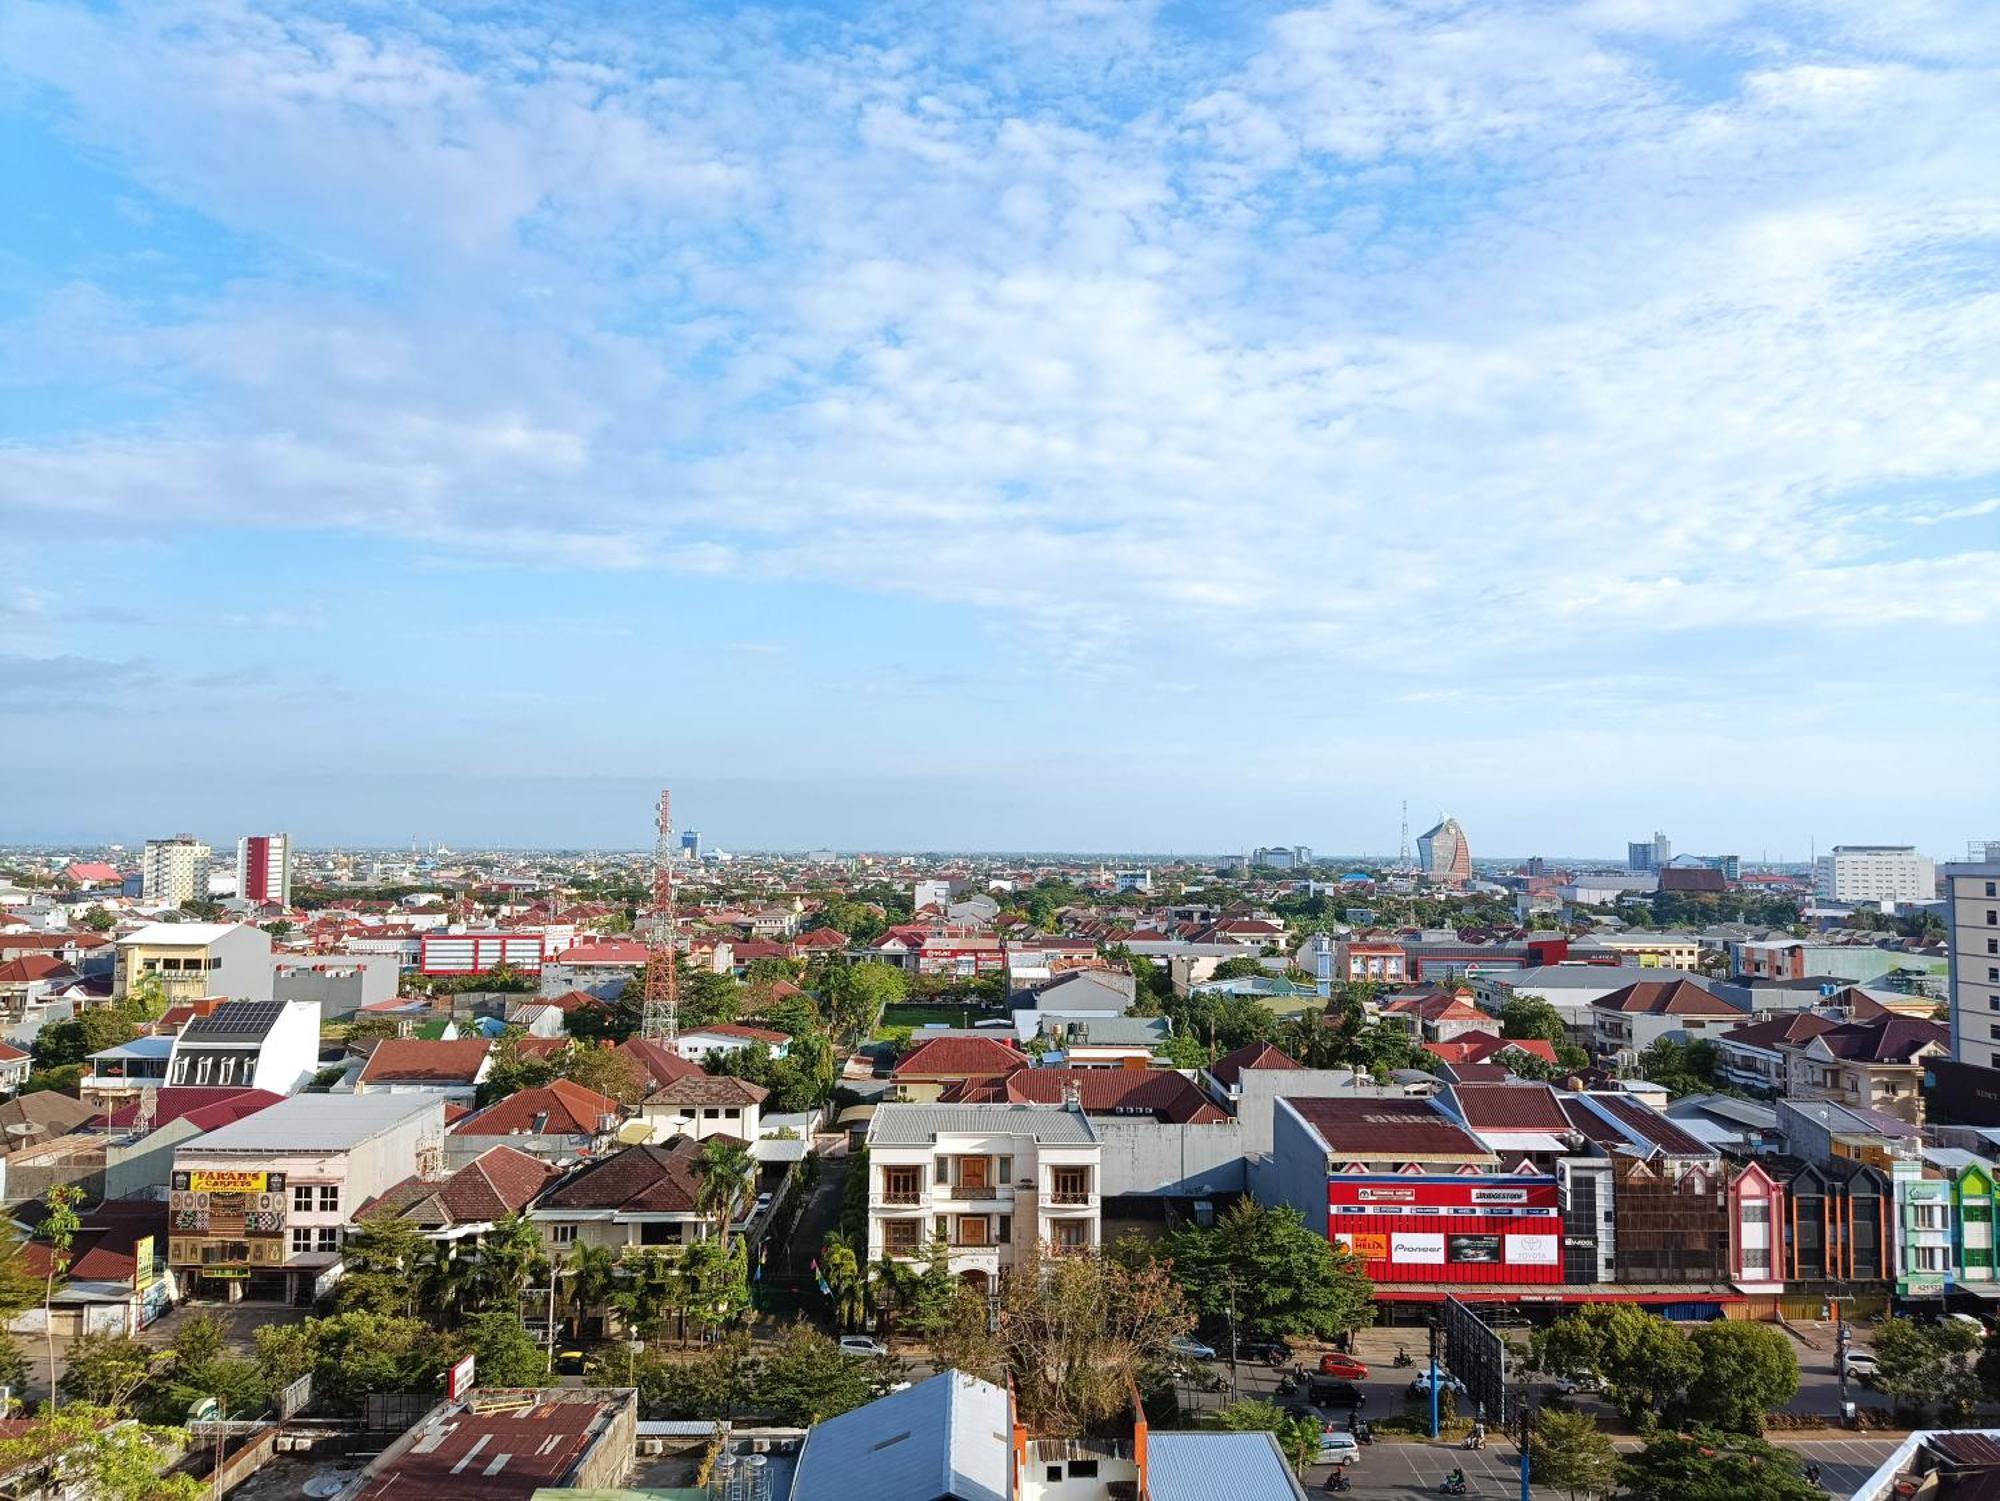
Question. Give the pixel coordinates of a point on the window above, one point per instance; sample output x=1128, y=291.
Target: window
x=943, y=1170
x=302, y=1240
x=1006, y=1174
x=329, y=1198
x=1756, y=1259
x=562, y=1235
x=655, y=1233
x=1993, y=888
x=1757, y=1212
x=732, y=1113
x=711, y=1113
x=1083, y=1469
x=1929, y=1258
x=329, y=1238
x=899, y=1235
x=201, y=1071
x=1071, y=1186
x=302, y=1198
x=1993, y=917
x=226, y=1072
x=1055, y=1474
x=1005, y=1234
x=900, y=1185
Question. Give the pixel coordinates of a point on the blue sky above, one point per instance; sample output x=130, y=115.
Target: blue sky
x=1029, y=423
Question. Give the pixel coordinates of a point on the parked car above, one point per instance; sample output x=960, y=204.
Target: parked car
x=1859, y=1365
x=763, y=1204
x=1338, y=1447
x=1346, y=1367
x=1190, y=1348
x=1270, y=1352
x=1576, y=1381
x=862, y=1344
x=569, y=1362
x=1421, y=1387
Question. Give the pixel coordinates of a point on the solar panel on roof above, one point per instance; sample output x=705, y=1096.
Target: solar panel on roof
x=234, y=1019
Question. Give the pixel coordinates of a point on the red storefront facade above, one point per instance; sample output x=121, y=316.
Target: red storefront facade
x=1475, y=1228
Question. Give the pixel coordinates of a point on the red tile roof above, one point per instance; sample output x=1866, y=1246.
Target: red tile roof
x=1228, y=1070
x=1478, y=1047
x=558, y=1108
x=31, y=967
x=414, y=1059
x=1667, y=998
x=207, y=1108
x=958, y=1058
x=702, y=1089
x=660, y=1064
x=740, y=1029
x=1793, y=1027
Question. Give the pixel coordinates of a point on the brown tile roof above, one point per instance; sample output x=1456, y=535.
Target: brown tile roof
x=702, y=1089
x=743, y=1030
x=1511, y=1107
x=1165, y=1095
x=1638, y=1119
x=1411, y=1130
x=958, y=1058
x=498, y=1182
x=1668, y=998
x=1886, y=1039
x=639, y=1180
x=558, y=1108
x=1228, y=1070
x=30, y=967
x=402, y=1059
x=41, y=1117
x=1795, y=1027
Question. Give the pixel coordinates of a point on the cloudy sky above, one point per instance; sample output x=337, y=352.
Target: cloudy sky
x=1012, y=423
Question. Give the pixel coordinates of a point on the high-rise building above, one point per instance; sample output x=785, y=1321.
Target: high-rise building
x=173, y=872
x=264, y=869
x=1972, y=931
x=1649, y=854
x=1731, y=866
x=690, y=844
x=1281, y=857
x=1444, y=854
x=1875, y=873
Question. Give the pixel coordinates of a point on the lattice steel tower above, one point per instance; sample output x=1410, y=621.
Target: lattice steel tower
x=661, y=1018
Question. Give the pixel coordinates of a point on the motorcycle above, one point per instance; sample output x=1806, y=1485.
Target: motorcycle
x=1338, y=1481
x=1289, y=1383
x=1454, y=1486
x=1402, y=1358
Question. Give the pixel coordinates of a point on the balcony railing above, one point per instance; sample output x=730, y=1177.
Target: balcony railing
x=901, y=1197
x=974, y=1191
x=1078, y=1196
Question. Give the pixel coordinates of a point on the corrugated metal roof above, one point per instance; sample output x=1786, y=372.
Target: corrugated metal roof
x=317, y=1123
x=943, y=1437
x=913, y=1125
x=1218, y=1467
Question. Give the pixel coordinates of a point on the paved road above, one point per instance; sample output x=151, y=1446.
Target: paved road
x=1410, y=1470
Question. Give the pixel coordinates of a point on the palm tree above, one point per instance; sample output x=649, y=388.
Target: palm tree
x=511, y=1257
x=450, y=1281
x=725, y=1163
x=587, y=1273
x=841, y=1267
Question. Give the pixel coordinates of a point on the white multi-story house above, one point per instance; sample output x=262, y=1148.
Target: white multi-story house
x=989, y=1179
x=270, y=1045
x=196, y=960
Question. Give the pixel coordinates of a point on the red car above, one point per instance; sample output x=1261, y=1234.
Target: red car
x=1346, y=1367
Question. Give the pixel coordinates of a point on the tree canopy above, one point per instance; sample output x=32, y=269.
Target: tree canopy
x=1283, y=1278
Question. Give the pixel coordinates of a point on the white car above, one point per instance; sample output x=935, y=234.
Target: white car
x=1421, y=1386
x=1576, y=1381
x=1860, y=1364
x=763, y=1203
x=862, y=1344
x=1338, y=1447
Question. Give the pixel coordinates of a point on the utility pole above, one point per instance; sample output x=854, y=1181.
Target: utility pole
x=1434, y=1379
x=1527, y=1433
x=1232, y=1339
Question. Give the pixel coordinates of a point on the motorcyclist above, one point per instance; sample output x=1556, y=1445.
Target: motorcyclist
x=1455, y=1481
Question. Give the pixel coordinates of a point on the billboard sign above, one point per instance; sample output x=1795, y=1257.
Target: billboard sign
x=458, y=1380
x=1416, y=1248
x=1473, y=1250
x=211, y=1180
x=1534, y=1250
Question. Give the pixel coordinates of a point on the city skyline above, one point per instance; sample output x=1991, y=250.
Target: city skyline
x=1127, y=426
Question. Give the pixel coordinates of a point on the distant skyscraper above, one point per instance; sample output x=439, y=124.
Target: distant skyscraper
x=1972, y=928
x=690, y=844
x=1444, y=854
x=264, y=869
x=1537, y=866
x=173, y=872
x=1649, y=854
x=1281, y=857
x=1875, y=873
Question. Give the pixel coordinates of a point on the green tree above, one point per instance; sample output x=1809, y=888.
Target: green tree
x=1297, y=1436
x=806, y=1378
x=447, y=1281
x=1283, y=1279
x=59, y=1227
x=1531, y=1017
x=584, y=1278
x=84, y=1450
x=352, y=1355
x=511, y=1256
x=1747, y=1370
x=104, y=1370
x=712, y=1384
x=1710, y=1466
x=1680, y=1067
x=1245, y=968
x=200, y=1366
x=98, y=920
x=1647, y=1363
x=724, y=1165
x=384, y=1260
x=1928, y=1368
x=1185, y=1052
x=505, y=1353
x=840, y=1265
x=1566, y=1451
x=604, y=1069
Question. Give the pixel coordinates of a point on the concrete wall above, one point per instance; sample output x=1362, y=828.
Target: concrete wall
x=1148, y=1157
x=145, y=1165
x=350, y=982
x=1296, y=1173
x=1256, y=1109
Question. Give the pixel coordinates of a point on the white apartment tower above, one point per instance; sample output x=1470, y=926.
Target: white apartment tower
x=1868, y=873
x=174, y=871
x=1972, y=929
x=989, y=1179
x=264, y=869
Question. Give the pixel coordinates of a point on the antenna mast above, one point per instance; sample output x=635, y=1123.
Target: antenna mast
x=1403, y=847
x=661, y=1018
